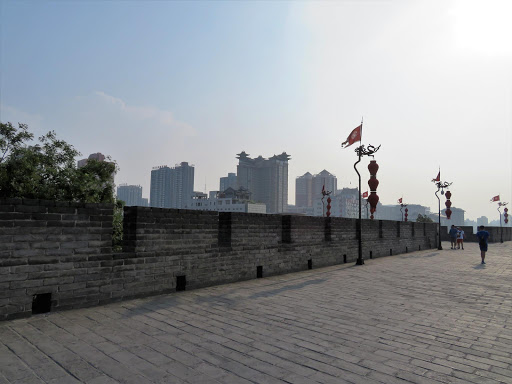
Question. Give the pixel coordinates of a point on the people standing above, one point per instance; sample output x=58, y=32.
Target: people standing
x=483, y=237
x=453, y=236
x=460, y=238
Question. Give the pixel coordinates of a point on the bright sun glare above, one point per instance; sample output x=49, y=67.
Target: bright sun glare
x=483, y=27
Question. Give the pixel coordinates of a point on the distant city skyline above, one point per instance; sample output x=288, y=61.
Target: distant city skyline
x=153, y=83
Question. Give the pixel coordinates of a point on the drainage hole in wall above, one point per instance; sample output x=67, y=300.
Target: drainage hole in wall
x=310, y=264
x=181, y=283
x=391, y=252
x=41, y=303
x=371, y=254
x=259, y=271
x=344, y=259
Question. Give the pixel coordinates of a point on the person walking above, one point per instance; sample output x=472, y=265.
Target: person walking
x=483, y=237
x=460, y=238
x=453, y=236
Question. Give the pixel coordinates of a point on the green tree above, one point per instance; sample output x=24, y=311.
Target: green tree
x=424, y=219
x=47, y=169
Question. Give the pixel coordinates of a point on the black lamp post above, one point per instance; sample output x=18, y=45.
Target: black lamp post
x=441, y=185
x=362, y=151
x=500, y=204
x=402, y=206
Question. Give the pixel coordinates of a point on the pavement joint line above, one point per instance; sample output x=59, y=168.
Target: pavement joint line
x=423, y=317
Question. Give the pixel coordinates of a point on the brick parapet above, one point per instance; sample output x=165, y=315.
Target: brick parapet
x=208, y=248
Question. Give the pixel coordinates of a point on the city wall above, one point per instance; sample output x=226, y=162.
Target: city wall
x=58, y=255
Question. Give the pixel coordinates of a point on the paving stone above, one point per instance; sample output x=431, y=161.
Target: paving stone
x=426, y=317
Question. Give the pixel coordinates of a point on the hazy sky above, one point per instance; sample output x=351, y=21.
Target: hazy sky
x=154, y=83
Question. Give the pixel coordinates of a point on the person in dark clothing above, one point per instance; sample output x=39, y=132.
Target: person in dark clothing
x=483, y=237
x=453, y=237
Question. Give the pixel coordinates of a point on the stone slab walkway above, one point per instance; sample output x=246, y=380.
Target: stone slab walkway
x=423, y=317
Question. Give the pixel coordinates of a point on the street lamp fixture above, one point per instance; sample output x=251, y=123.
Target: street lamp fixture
x=372, y=199
x=500, y=204
x=441, y=185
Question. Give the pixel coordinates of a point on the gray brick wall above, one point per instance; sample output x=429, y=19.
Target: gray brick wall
x=65, y=249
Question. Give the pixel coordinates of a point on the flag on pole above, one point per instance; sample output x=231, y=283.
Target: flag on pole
x=400, y=201
x=365, y=195
x=438, y=178
x=495, y=198
x=354, y=136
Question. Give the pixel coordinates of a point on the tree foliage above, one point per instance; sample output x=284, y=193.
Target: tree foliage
x=47, y=169
x=423, y=219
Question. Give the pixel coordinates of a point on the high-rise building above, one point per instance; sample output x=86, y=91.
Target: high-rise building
x=130, y=194
x=182, y=184
x=483, y=220
x=93, y=156
x=171, y=187
x=321, y=180
x=228, y=182
x=304, y=190
x=266, y=179
x=308, y=188
x=160, y=192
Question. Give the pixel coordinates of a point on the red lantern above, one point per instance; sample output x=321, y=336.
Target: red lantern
x=373, y=183
x=448, y=205
x=406, y=214
x=329, y=206
x=506, y=210
x=373, y=167
x=373, y=199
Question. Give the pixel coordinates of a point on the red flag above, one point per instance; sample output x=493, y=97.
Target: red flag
x=365, y=195
x=495, y=198
x=400, y=200
x=354, y=136
x=438, y=178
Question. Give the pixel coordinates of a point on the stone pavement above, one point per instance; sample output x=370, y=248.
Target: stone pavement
x=423, y=317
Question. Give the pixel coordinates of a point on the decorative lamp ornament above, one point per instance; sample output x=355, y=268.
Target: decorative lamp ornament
x=506, y=215
x=328, y=206
x=448, y=205
x=406, y=214
x=373, y=183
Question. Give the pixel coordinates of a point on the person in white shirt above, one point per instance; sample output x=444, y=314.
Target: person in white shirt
x=460, y=238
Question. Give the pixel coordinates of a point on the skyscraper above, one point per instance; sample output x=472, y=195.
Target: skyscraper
x=304, y=190
x=322, y=179
x=266, y=179
x=130, y=194
x=308, y=188
x=171, y=187
x=182, y=184
x=93, y=156
x=160, y=192
x=228, y=182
